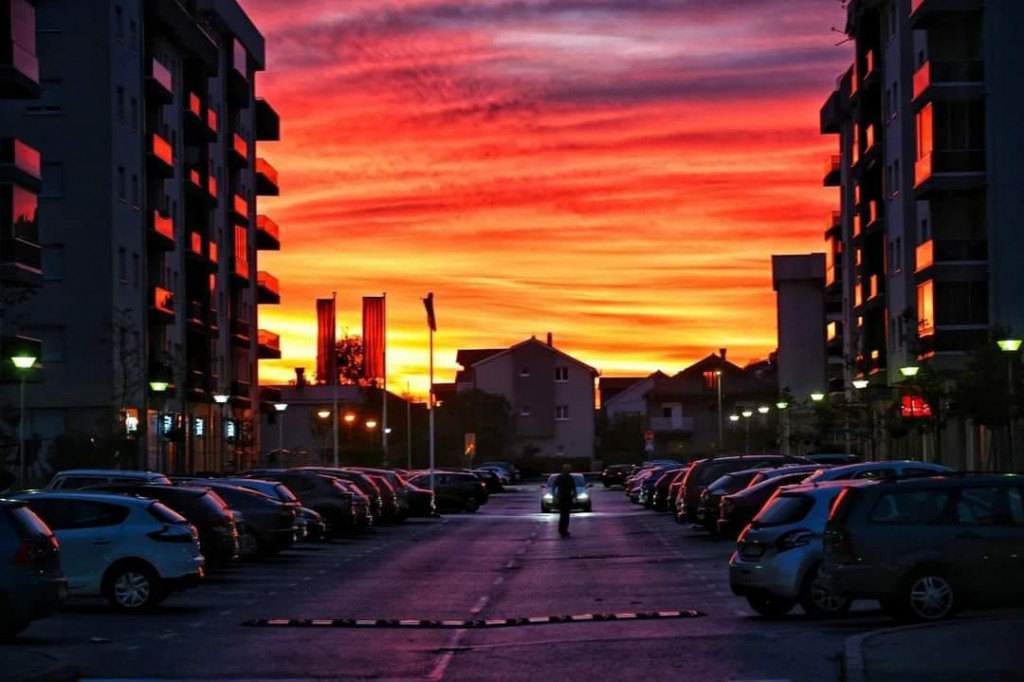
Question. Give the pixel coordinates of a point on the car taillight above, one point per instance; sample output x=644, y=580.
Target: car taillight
x=180, y=534
x=35, y=550
x=800, y=537
x=726, y=506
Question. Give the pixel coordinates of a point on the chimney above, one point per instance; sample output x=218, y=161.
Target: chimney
x=300, y=377
x=551, y=339
x=721, y=352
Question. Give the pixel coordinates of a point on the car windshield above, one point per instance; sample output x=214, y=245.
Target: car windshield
x=784, y=510
x=577, y=479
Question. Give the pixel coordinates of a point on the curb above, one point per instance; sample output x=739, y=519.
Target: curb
x=853, y=667
x=55, y=672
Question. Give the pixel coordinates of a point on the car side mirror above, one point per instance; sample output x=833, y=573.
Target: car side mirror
x=543, y=487
x=590, y=486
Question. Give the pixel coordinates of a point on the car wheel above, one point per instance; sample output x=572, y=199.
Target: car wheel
x=819, y=602
x=471, y=505
x=587, y=508
x=927, y=595
x=249, y=545
x=770, y=606
x=133, y=587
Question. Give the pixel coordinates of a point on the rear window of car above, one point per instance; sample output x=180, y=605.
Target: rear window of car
x=783, y=510
x=28, y=524
x=164, y=514
x=212, y=504
x=912, y=507
x=79, y=482
x=284, y=494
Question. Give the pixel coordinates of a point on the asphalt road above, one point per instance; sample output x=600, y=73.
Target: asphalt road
x=506, y=561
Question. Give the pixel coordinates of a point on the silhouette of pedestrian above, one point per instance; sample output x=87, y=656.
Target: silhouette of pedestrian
x=565, y=495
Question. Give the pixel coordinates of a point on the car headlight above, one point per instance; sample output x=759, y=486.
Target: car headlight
x=548, y=497
x=583, y=496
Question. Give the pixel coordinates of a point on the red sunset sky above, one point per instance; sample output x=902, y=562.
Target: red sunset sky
x=617, y=172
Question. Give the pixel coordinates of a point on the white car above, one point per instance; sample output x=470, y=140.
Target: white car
x=76, y=479
x=131, y=550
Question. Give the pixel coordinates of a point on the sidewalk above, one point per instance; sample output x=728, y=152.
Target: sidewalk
x=24, y=665
x=988, y=647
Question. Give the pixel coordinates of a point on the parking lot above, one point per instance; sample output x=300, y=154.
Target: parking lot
x=506, y=561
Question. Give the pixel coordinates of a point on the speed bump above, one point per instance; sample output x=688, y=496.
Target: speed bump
x=475, y=624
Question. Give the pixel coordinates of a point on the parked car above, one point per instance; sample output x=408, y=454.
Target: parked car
x=322, y=494
x=735, y=511
x=360, y=480
x=134, y=551
x=454, y=491
x=268, y=526
x=778, y=558
x=362, y=510
x=659, y=500
x=710, y=498
x=879, y=470
x=510, y=469
x=502, y=474
x=203, y=508
x=583, y=503
x=389, y=510
x=927, y=547
x=76, y=479
x=833, y=459
x=648, y=486
x=398, y=484
x=32, y=583
x=706, y=471
x=492, y=479
x=615, y=474
x=421, y=500
x=310, y=526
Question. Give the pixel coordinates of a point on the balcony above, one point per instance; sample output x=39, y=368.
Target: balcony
x=197, y=382
x=939, y=252
x=240, y=334
x=161, y=156
x=665, y=424
x=211, y=122
x=924, y=13
x=195, y=122
x=161, y=305
x=834, y=223
x=20, y=165
x=19, y=66
x=832, y=114
x=211, y=188
x=267, y=234
x=949, y=170
x=268, y=288
x=161, y=231
x=241, y=392
x=196, y=315
x=268, y=345
x=238, y=76
x=238, y=155
x=159, y=82
x=239, y=210
x=21, y=262
x=948, y=81
x=833, y=170
x=268, y=123
x=266, y=179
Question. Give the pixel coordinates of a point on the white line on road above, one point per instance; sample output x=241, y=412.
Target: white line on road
x=499, y=580
x=444, y=659
x=480, y=604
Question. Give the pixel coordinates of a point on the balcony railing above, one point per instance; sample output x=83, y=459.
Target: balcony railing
x=161, y=80
x=195, y=105
x=240, y=147
x=661, y=424
x=21, y=157
x=947, y=73
x=834, y=221
x=269, y=344
x=196, y=243
x=162, y=150
x=948, y=162
x=214, y=253
x=211, y=186
x=22, y=253
x=19, y=69
x=163, y=226
x=240, y=329
x=266, y=178
x=211, y=120
x=833, y=165
x=268, y=123
x=951, y=251
x=240, y=208
x=268, y=288
x=163, y=302
x=268, y=236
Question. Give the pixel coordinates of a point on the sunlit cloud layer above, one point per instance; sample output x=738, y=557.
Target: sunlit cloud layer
x=616, y=172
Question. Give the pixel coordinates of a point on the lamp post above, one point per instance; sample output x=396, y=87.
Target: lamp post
x=349, y=420
x=1010, y=347
x=910, y=371
x=721, y=422
x=747, y=414
x=280, y=407
x=783, y=407
x=160, y=388
x=221, y=400
x=24, y=363
x=860, y=385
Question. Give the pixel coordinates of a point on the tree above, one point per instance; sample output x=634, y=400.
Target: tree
x=350, y=361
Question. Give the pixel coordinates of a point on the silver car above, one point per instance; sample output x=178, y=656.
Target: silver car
x=583, y=503
x=885, y=470
x=778, y=557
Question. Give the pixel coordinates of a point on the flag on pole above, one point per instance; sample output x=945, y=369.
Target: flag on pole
x=326, y=342
x=428, y=303
x=373, y=337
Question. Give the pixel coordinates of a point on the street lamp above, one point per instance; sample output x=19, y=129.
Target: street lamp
x=222, y=400
x=817, y=397
x=323, y=414
x=782, y=404
x=734, y=417
x=910, y=371
x=371, y=424
x=860, y=384
x=350, y=418
x=1009, y=346
x=747, y=414
x=23, y=363
x=280, y=407
x=763, y=409
x=721, y=422
x=160, y=388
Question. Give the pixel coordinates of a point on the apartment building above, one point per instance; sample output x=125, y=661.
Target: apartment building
x=147, y=124
x=551, y=394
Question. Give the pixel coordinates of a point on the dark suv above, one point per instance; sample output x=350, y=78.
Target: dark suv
x=32, y=585
x=706, y=471
x=926, y=547
x=454, y=490
x=615, y=474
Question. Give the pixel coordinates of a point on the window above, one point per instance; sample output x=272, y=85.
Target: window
x=53, y=262
x=524, y=411
x=122, y=267
x=912, y=507
x=53, y=181
x=711, y=380
x=666, y=412
x=47, y=17
x=561, y=413
x=925, y=233
x=981, y=507
x=524, y=371
x=561, y=374
x=121, y=192
x=120, y=104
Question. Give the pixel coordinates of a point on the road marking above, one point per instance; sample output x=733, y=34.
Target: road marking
x=473, y=623
x=441, y=665
x=480, y=604
x=499, y=580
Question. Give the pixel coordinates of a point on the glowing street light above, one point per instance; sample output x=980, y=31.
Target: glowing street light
x=763, y=409
x=817, y=397
x=747, y=414
x=371, y=424
x=734, y=417
x=860, y=384
x=782, y=404
x=158, y=386
x=323, y=414
x=910, y=371
x=280, y=407
x=1009, y=345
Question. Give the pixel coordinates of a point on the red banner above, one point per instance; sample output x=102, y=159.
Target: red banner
x=326, y=342
x=374, y=343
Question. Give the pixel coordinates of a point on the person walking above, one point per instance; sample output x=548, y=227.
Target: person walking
x=565, y=495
